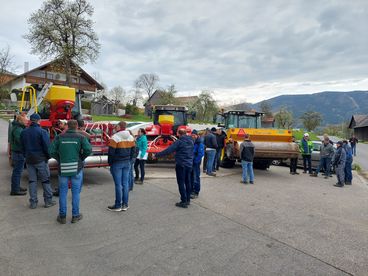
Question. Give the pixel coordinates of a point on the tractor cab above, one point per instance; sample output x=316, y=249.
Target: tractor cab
x=241, y=119
x=178, y=114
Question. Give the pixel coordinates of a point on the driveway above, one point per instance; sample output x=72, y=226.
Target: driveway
x=282, y=225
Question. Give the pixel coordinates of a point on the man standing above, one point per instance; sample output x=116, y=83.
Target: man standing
x=348, y=163
x=353, y=142
x=183, y=148
x=35, y=144
x=17, y=156
x=220, y=139
x=339, y=163
x=198, y=152
x=247, y=156
x=326, y=153
x=70, y=149
x=306, y=148
x=211, y=145
x=120, y=155
x=293, y=163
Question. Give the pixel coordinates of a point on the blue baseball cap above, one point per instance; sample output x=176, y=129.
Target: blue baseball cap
x=35, y=117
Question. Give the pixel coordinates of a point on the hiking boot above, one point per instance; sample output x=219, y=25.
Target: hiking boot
x=33, y=205
x=60, y=219
x=23, y=189
x=49, y=204
x=113, y=208
x=181, y=204
x=124, y=207
x=77, y=218
x=20, y=193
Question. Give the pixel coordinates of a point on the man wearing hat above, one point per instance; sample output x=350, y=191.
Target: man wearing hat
x=198, y=152
x=35, y=143
x=306, y=148
x=338, y=162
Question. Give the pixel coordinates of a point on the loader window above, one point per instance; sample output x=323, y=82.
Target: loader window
x=179, y=117
x=243, y=121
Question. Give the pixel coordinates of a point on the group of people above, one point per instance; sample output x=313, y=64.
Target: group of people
x=31, y=146
x=340, y=159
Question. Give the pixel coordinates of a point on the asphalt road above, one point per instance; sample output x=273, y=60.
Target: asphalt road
x=282, y=225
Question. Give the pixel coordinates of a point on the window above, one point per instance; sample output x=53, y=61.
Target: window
x=50, y=76
x=75, y=80
x=42, y=74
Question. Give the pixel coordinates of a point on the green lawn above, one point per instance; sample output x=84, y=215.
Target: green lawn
x=299, y=135
x=139, y=117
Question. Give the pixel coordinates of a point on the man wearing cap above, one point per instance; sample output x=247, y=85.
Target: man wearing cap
x=326, y=153
x=338, y=162
x=306, y=148
x=247, y=156
x=211, y=145
x=35, y=145
x=198, y=152
x=220, y=138
x=70, y=149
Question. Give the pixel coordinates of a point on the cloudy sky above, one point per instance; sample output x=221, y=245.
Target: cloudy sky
x=242, y=50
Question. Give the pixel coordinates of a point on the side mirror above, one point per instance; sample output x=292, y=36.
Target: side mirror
x=13, y=97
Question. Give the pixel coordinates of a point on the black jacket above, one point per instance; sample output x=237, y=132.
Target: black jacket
x=210, y=141
x=247, y=151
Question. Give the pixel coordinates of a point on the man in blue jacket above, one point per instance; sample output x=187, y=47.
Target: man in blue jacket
x=198, y=152
x=184, y=162
x=35, y=145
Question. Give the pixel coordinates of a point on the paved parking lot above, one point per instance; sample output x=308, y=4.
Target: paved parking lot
x=282, y=225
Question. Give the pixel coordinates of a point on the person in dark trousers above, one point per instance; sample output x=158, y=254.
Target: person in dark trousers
x=326, y=153
x=35, y=145
x=17, y=156
x=70, y=149
x=211, y=146
x=247, y=156
x=183, y=148
x=121, y=152
x=353, y=143
x=293, y=163
x=220, y=138
x=132, y=162
x=348, y=163
x=141, y=159
x=198, y=153
x=306, y=148
x=338, y=162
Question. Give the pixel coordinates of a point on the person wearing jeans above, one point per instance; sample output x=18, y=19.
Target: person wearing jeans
x=247, y=156
x=326, y=152
x=70, y=149
x=198, y=152
x=306, y=148
x=122, y=149
x=211, y=145
x=183, y=148
x=35, y=147
x=17, y=156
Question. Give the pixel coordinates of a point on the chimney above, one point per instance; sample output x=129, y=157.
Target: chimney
x=26, y=66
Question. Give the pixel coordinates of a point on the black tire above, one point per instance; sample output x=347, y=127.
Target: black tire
x=227, y=163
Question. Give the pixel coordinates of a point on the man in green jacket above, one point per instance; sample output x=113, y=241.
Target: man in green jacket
x=306, y=148
x=70, y=149
x=17, y=156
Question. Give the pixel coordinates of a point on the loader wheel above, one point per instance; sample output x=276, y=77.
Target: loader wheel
x=227, y=163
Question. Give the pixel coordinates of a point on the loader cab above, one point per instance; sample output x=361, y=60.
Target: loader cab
x=179, y=113
x=242, y=119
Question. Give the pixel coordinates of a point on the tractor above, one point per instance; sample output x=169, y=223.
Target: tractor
x=167, y=121
x=270, y=144
x=54, y=103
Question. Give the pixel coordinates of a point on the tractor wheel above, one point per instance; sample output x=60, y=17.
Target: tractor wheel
x=262, y=164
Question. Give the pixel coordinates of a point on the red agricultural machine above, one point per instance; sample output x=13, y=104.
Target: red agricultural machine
x=167, y=121
x=54, y=103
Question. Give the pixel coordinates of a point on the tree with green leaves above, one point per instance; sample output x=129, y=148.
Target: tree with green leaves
x=205, y=106
x=63, y=30
x=311, y=120
x=284, y=118
x=167, y=96
x=266, y=108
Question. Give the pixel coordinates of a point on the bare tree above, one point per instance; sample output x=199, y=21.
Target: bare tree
x=266, y=108
x=284, y=118
x=63, y=30
x=168, y=96
x=148, y=83
x=6, y=64
x=117, y=94
x=311, y=120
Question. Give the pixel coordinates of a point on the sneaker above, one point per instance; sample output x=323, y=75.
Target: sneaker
x=193, y=196
x=49, y=204
x=77, y=218
x=211, y=174
x=20, y=193
x=181, y=204
x=296, y=173
x=60, y=219
x=139, y=182
x=243, y=182
x=339, y=185
x=23, y=189
x=314, y=175
x=251, y=182
x=326, y=177
x=33, y=205
x=348, y=183
x=113, y=208
x=125, y=207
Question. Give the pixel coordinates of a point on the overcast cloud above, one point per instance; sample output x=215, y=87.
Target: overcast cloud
x=241, y=50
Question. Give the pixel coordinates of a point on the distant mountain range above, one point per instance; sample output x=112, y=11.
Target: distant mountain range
x=335, y=107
